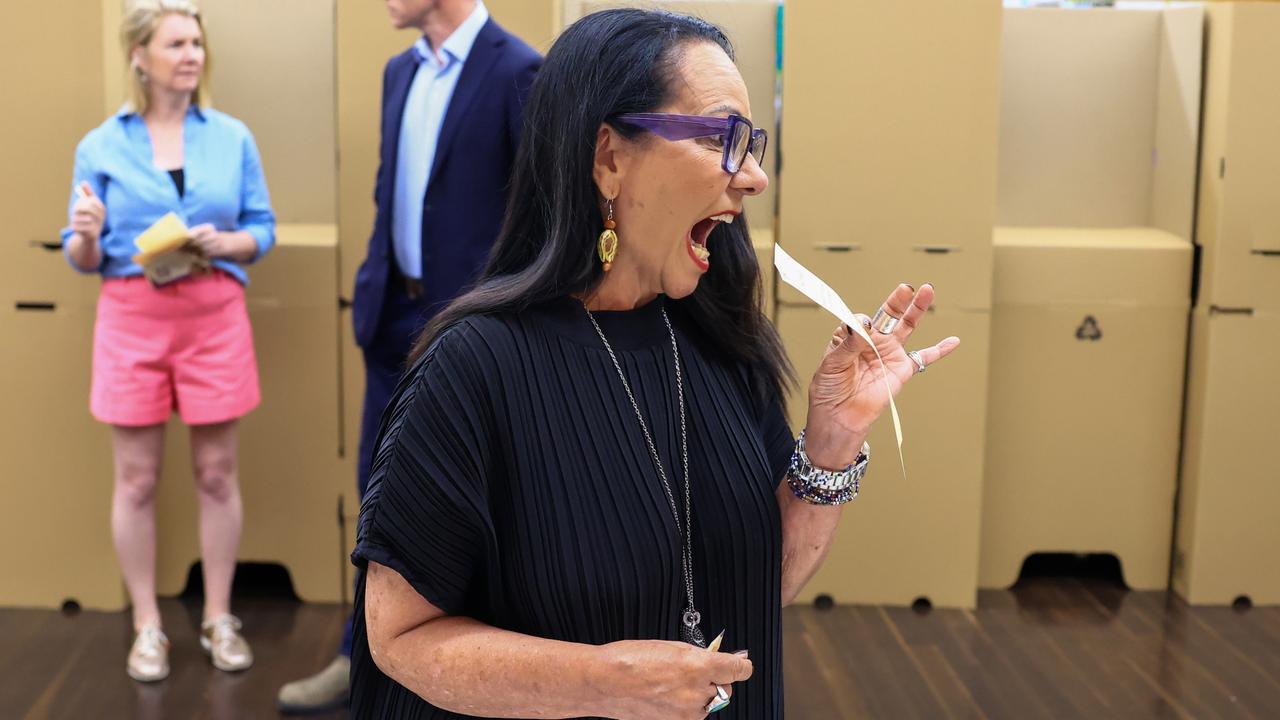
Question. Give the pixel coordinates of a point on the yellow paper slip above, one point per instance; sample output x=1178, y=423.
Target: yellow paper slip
x=164, y=236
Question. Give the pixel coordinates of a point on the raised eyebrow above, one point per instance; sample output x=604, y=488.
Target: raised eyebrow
x=725, y=108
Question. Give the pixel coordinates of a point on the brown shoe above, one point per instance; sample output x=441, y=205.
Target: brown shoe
x=226, y=647
x=149, y=656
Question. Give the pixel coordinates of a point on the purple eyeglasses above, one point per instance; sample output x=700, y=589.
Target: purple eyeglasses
x=736, y=134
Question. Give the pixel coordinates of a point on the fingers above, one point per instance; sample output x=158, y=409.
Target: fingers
x=205, y=237
x=727, y=668
x=85, y=189
x=899, y=301
x=87, y=212
x=86, y=218
x=931, y=355
x=838, y=335
x=720, y=698
x=846, y=340
x=843, y=332
x=915, y=311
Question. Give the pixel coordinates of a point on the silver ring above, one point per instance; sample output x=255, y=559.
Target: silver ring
x=915, y=357
x=719, y=702
x=883, y=322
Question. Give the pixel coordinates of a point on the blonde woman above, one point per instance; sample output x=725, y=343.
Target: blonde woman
x=185, y=345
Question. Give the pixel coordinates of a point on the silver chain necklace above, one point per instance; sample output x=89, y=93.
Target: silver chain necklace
x=690, y=631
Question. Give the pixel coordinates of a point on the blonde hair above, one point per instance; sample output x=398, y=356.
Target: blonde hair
x=141, y=18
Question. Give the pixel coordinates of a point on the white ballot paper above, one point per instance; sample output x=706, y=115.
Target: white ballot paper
x=800, y=278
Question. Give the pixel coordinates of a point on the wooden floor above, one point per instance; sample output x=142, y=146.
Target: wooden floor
x=1052, y=648
x=1056, y=648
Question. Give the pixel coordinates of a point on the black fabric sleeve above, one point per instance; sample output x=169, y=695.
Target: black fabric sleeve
x=771, y=417
x=426, y=511
x=778, y=438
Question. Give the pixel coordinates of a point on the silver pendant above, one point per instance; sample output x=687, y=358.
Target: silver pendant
x=689, y=631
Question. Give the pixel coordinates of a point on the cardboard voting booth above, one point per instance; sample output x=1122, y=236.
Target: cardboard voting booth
x=1103, y=137
x=1088, y=336
x=55, y=460
x=1093, y=265
x=903, y=539
x=1228, y=534
x=290, y=472
x=56, y=468
x=889, y=137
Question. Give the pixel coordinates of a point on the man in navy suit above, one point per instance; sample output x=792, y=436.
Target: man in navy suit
x=451, y=117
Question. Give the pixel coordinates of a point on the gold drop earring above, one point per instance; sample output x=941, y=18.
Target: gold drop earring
x=608, y=244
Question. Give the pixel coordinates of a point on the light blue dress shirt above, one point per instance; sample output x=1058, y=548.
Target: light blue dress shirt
x=424, y=111
x=225, y=186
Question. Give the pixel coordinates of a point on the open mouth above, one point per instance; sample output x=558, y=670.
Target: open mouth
x=697, y=238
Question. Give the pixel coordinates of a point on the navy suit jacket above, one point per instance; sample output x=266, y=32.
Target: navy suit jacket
x=466, y=189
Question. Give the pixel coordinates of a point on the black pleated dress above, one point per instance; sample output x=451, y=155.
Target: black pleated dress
x=512, y=484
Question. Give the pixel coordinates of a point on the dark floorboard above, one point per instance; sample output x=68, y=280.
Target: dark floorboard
x=55, y=666
x=1050, y=648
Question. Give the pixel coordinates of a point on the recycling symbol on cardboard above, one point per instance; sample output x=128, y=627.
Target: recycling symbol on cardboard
x=1089, y=329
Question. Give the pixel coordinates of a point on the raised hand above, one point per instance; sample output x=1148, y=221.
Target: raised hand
x=848, y=390
x=88, y=214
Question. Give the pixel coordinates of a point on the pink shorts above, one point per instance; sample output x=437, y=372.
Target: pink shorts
x=185, y=346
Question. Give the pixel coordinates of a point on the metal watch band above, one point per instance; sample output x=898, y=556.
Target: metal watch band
x=825, y=487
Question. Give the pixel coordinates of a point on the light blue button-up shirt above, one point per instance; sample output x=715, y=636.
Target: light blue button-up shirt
x=224, y=185
x=424, y=111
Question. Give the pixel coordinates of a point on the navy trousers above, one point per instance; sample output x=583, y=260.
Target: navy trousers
x=384, y=362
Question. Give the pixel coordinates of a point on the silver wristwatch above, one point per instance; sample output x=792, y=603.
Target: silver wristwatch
x=805, y=476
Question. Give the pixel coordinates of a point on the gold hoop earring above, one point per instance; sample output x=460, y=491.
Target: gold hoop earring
x=607, y=246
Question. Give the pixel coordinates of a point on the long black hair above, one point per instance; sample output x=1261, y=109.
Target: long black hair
x=606, y=64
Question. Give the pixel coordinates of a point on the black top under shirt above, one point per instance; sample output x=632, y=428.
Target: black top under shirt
x=179, y=178
x=512, y=484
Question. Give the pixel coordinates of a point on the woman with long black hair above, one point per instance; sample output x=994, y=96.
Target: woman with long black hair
x=586, y=476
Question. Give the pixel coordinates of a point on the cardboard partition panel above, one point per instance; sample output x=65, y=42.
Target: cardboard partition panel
x=55, y=464
x=762, y=243
x=906, y=538
x=1088, y=339
x=752, y=27
x=889, y=136
x=864, y=275
x=1239, y=219
x=290, y=472
x=1228, y=537
x=49, y=106
x=365, y=41
x=55, y=459
x=292, y=119
x=1104, y=138
x=1177, y=121
x=41, y=276
x=537, y=22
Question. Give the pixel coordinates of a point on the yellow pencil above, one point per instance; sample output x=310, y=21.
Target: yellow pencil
x=715, y=644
